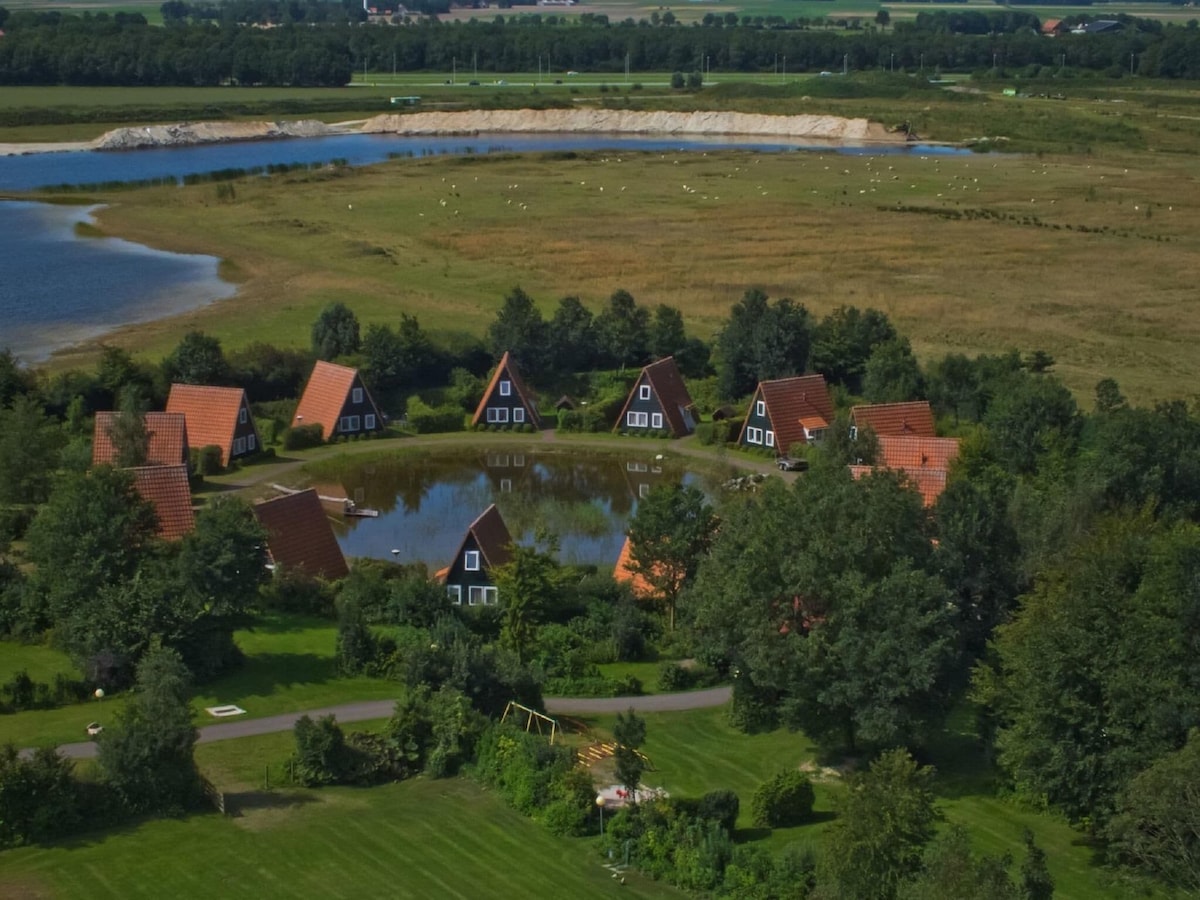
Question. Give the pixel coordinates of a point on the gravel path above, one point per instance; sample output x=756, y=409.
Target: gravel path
x=382, y=709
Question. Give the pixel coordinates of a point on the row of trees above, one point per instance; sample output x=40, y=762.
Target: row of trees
x=56, y=48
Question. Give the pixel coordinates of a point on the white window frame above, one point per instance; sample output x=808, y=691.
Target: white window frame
x=497, y=415
x=491, y=595
x=753, y=435
x=518, y=414
x=251, y=442
x=369, y=422
x=637, y=419
x=854, y=432
x=760, y=408
x=518, y=460
x=506, y=485
x=656, y=420
x=475, y=595
x=239, y=446
x=454, y=592
x=644, y=392
x=471, y=560
x=356, y=395
x=770, y=438
x=643, y=491
x=505, y=388
x=243, y=416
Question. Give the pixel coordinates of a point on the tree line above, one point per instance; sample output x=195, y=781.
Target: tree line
x=57, y=48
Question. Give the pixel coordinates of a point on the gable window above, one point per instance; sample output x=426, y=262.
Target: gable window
x=637, y=419
x=643, y=491
x=251, y=442
x=518, y=414
x=644, y=392
x=497, y=415
x=770, y=439
x=490, y=596
x=454, y=592
x=760, y=408
x=348, y=423
x=471, y=561
x=656, y=420
x=505, y=388
x=854, y=432
x=474, y=595
x=369, y=421
x=356, y=395
x=506, y=485
x=243, y=416
x=754, y=435
x=239, y=446
x=518, y=459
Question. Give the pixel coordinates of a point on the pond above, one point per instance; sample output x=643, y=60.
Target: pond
x=426, y=502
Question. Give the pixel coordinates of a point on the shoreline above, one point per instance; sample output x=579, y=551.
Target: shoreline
x=834, y=129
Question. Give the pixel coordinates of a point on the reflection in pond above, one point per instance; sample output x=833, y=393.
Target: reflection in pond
x=425, y=503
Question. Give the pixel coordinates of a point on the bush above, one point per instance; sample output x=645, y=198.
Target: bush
x=673, y=677
x=206, y=460
x=303, y=436
x=426, y=419
x=720, y=806
x=787, y=799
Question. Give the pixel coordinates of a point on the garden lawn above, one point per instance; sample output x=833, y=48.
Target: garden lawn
x=417, y=839
x=41, y=662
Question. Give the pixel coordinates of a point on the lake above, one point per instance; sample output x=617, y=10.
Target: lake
x=59, y=289
x=427, y=502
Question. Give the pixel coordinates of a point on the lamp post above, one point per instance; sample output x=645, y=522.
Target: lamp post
x=600, y=801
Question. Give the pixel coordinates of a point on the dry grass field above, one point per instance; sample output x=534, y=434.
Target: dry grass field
x=1091, y=260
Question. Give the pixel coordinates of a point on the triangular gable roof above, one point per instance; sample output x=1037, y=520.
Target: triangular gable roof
x=491, y=537
x=794, y=404
x=528, y=400
x=667, y=384
x=211, y=412
x=325, y=394
x=299, y=537
x=895, y=419
x=168, y=439
x=166, y=489
x=924, y=461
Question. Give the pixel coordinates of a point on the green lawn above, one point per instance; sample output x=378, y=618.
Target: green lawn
x=39, y=661
x=417, y=839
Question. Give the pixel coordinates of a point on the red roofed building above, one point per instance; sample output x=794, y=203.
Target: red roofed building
x=168, y=439
x=484, y=548
x=924, y=461
x=787, y=411
x=336, y=399
x=894, y=419
x=507, y=401
x=166, y=489
x=299, y=536
x=217, y=417
x=642, y=589
x=659, y=401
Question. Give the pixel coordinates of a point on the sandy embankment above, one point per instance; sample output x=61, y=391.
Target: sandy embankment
x=513, y=121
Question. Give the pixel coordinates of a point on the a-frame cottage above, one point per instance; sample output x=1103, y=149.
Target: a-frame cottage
x=787, y=411
x=168, y=444
x=659, y=401
x=914, y=419
x=217, y=417
x=299, y=536
x=336, y=399
x=166, y=488
x=469, y=576
x=507, y=402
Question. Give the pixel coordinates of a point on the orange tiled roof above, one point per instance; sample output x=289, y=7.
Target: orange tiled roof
x=167, y=490
x=924, y=461
x=508, y=365
x=324, y=396
x=623, y=574
x=299, y=537
x=168, y=439
x=915, y=418
x=212, y=414
x=794, y=404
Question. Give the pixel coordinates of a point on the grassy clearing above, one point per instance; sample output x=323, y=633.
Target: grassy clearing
x=39, y=661
x=417, y=839
x=826, y=229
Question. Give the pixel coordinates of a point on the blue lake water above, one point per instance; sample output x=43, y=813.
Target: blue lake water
x=58, y=289
x=23, y=173
x=426, y=503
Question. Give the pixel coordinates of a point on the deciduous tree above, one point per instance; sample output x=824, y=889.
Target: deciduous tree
x=335, y=332
x=668, y=536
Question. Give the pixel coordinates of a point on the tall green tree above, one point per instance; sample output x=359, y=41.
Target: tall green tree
x=886, y=819
x=576, y=341
x=198, y=359
x=844, y=341
x=335, y=332
x=30, y=443
x=128, y=433
x=668, y=536
x=1036, y=881
x=519, y=329
x=147, y=755
x=624, y=330
x=629, y=733
x=892, y=374
x=761, y=341
x=950, y=870
x=528, y=585
x=39, y=799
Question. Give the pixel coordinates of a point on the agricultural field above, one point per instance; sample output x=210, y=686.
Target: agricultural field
x=1086, y=257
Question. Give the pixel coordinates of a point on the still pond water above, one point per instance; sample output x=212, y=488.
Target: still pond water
x=426, y=503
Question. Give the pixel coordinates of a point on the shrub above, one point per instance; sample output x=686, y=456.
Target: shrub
x=302, y=436
x=720, y=806
x=426, y=419
x=786, y=799
x=207, y=460
x=673, y=677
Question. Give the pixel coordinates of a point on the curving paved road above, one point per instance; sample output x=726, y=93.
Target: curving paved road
x=382, y=709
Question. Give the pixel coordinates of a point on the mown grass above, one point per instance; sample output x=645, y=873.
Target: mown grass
x=826, y=229
x=417, y=839
x=40, y=662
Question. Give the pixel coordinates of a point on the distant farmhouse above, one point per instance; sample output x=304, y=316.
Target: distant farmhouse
x=218, y=417
x=336, y=399
x=913, y=419
x=168, y=444
x=166, y=488
x=925, y=461
x=299, y=536
x=659, y=401
x=484, y=548
x=787, y=411
x=507, y=401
